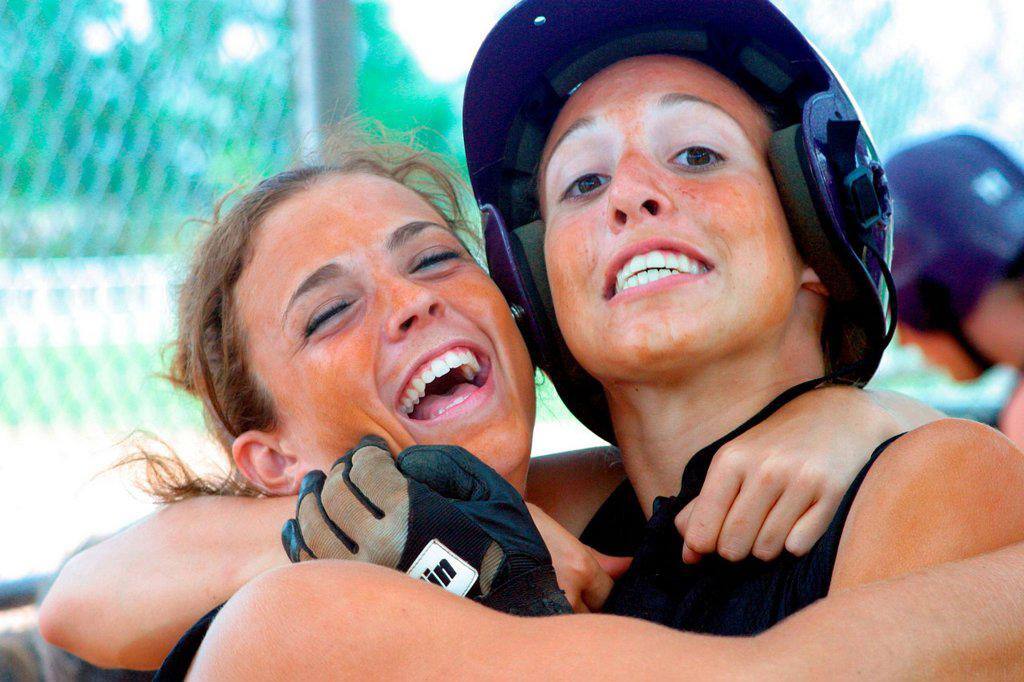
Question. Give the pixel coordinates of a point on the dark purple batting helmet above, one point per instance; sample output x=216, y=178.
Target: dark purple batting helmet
x=961, y=206
x=830, y=181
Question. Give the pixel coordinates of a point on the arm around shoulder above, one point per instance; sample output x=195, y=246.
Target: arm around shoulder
x=125, y=602
x=356, y=620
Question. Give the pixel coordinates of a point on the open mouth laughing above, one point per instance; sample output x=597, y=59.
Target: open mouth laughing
x=442, y=382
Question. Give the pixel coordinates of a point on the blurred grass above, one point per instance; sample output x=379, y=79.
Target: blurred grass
x=106, y=386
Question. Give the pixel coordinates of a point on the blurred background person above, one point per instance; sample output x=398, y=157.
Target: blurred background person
x=959, y=258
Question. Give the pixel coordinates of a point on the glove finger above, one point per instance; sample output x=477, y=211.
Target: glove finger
x=367, y=496
x=294, y=544
x=452, y=472
x=372, y=477
x=368, y=440
x=322, y=536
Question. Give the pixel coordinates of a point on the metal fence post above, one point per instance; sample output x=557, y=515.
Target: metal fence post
x=324, y=69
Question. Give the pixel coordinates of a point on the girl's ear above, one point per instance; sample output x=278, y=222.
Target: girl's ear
x=262, y=460
x=809, y=280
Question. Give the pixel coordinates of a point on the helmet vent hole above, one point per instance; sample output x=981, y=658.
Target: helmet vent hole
x=540, y=20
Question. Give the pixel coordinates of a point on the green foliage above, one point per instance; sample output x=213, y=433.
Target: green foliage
x=391, y=87
x=108, y=150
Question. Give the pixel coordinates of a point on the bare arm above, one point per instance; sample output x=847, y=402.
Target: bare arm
x=953, y=621
x=779, y=484
x=126, y=601
x=161, y=575
x=803, y=448
x=943, y=492
x=944, y=622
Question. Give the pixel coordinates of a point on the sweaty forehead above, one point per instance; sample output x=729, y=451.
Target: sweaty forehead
x=353, y=209
x=624, y=88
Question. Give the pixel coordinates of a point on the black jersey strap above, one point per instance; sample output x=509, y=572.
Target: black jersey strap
x=175, y=667
x=697, y=469
x=650, y=588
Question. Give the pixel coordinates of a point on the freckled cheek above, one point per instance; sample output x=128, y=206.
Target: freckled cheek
x=763, y=258
x=571, y=255
x=334, y=396
x=481, y=301
x=745, y=221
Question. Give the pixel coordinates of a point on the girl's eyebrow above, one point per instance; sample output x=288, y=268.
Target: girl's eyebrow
x=406, y=232
x=332, y=271
x=577, y=125
x=676, y=98
x=667, y=100
x=322, y=275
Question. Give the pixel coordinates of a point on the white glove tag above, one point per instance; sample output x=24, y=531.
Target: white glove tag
x=439, y=565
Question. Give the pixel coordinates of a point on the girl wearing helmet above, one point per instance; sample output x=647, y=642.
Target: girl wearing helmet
x=688, y=191
x=959, y=265
x=238, y=636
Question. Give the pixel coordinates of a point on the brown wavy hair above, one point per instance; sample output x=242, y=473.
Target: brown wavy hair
x=209, y=353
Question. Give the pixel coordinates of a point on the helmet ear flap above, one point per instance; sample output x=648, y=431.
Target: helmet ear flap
x=511, y=270
x=531, y=242
x=854, y=327
x=788, y=160
x=516, y=262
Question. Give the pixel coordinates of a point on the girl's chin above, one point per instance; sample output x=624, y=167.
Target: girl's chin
x=510, y=459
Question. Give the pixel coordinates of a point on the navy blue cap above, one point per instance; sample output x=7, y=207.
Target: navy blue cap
x=959, y=203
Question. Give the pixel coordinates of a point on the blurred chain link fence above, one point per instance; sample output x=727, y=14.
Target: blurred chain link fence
x=121, y=119
x=118, y=122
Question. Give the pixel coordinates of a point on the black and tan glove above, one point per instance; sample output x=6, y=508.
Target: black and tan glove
x=436, y=513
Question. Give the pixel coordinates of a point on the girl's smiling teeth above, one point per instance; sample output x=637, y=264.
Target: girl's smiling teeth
x=649, y=267
x=442, y=383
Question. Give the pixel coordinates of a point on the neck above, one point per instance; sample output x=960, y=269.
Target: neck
x=660, y=426
x=996, y=324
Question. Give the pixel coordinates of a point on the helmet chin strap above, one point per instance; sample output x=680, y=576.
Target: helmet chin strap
x=693, y=474
x=976, y=355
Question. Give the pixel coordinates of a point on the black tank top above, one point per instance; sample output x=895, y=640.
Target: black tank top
x=714, y=596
